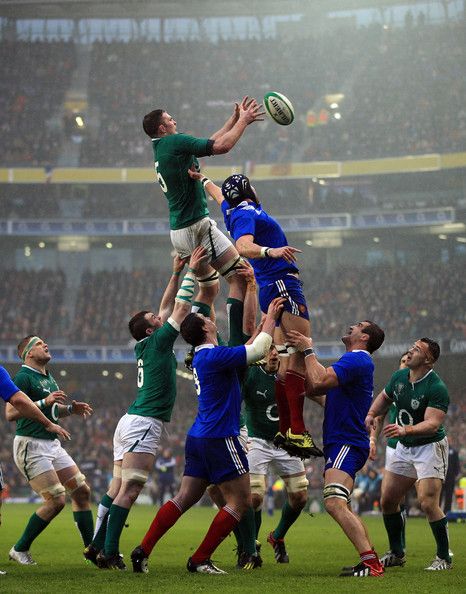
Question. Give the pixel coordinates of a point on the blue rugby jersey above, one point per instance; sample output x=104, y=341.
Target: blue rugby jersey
x=218, y=389
x=347, y=405
x=251, y=219
x=7, y=387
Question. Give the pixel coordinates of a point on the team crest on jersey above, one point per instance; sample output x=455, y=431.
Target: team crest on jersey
x=397, y=389
x=414, y=404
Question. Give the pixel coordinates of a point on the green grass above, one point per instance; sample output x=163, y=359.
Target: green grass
x=316, y=545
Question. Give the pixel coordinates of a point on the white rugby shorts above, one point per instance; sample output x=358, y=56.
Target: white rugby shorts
x=138, y=434
x=204, y=232
x=263, y=453
x=420, y=462
x=35, y=456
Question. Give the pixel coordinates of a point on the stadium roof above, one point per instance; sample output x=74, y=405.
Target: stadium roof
x=179, y=8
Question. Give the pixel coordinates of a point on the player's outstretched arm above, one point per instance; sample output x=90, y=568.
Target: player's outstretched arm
x=319, y=379
x=13, y=414
x=29, y=410
x=249, y=249
x=81, y=409
x=231, y=121
x=168, y=298
x=261, y=344
x=379, y=407
x=211, y=188
x=185, y=293
x=249, y=111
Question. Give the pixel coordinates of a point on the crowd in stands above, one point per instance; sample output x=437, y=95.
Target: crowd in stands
x=403, y=94
x=34, y=79
x=404, y=302
x=32, y=302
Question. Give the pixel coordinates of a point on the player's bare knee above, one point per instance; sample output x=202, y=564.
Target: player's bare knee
x=257, y=501
x=297, y=500
x=82, y=495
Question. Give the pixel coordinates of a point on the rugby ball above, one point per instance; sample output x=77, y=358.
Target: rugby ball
x=279, y=108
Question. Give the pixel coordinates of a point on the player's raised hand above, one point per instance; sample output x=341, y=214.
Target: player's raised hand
x=298, y=340
x=81, y=408
x=372, y=449
x=61, y=433
x=245, y=270
x=275, y=308
x=394, y=430
x=55, y=397
x=198, y=256
x=370, y=423
x=194, y=174
x=251, y=111
x=178, y=263
x=287, y=252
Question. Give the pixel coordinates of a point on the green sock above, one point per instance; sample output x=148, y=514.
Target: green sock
x=85, y=524
x=247, y=529
x=440, y=532
x=116, y=520
x=101, y=522
x=394, y=527
x=239, y=539
x=403, y=533
x=34, y=527
x=235, y=321
x=288, y=518
x=258, y=521
x=202, y=308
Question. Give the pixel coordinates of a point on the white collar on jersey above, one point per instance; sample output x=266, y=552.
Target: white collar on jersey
x=209, y=345
x=32, y=369
x=421, y=378
x=361, y=351
x=246, y=205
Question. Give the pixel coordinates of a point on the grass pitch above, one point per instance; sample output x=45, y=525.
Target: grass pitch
x=316, y=546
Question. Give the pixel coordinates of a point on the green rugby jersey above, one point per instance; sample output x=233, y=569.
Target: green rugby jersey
x=156, y=379
x=260, y=406
x=37, y=386
x=392, y=441
x=173, y=156
x=412, y=399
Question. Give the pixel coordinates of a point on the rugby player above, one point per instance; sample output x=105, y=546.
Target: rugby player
x=49, y=469
x=421, y=454
x=213, y=452
x=345, y=389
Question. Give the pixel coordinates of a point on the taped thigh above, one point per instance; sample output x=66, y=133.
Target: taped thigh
x=229, y=269
x=75, y=482
x=208, y=280
x=56, y=490
x=294, y=484
x=135, y=475
x=257, y=482
x=337, y=491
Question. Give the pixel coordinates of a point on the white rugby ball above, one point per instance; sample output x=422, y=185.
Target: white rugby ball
x=279, y=108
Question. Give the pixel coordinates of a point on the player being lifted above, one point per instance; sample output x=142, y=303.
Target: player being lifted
x=190, y=224
x=138, y=433
x=48, y=468
x=260, y=238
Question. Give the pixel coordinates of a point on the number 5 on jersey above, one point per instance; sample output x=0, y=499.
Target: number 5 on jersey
x=160, y=179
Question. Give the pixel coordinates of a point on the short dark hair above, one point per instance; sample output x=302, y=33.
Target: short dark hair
x=152, y=121
x=376, y=336
x=22, y=344
x=434, y=347
x=192, y=329
x=138, y=325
